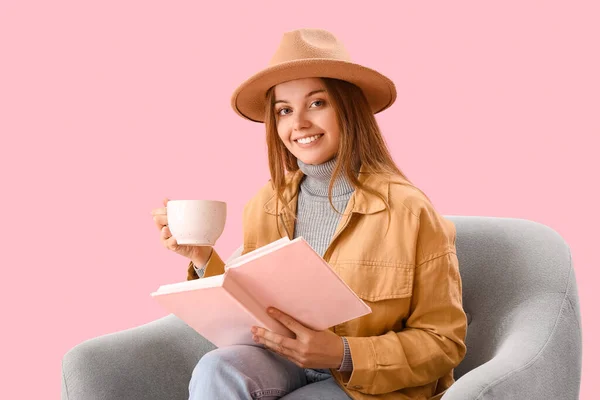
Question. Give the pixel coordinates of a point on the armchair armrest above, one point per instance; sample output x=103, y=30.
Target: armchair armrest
x=537, y=356
x=152, y=361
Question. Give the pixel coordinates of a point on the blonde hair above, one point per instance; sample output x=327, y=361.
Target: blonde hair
x=361, y=141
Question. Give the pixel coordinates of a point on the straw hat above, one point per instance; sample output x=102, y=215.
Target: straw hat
x=310, y=53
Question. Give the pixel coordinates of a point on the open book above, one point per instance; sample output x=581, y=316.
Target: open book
x=286, y=274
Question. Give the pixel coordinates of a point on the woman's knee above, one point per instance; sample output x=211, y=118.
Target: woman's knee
x=215, y=368
x=213, y=362
x=227, y=360
x=242, y=370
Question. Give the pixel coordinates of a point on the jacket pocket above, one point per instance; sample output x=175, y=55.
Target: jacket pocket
x=376, y=281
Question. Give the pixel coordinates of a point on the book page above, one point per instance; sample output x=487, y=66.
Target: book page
x=213, y=313
x=211, y=281
x=258, y=252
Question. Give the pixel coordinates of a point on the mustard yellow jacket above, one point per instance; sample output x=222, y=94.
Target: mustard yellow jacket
x=409, y=345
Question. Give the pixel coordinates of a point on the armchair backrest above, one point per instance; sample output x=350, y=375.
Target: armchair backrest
x=518, y=279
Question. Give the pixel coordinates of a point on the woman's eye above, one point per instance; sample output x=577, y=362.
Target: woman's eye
x=287, y=110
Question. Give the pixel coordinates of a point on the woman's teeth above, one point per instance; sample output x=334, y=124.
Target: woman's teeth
x=308, y=140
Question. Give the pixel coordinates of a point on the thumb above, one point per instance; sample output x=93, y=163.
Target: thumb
x=165, y=201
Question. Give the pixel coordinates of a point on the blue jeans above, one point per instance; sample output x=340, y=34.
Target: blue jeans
x=252, y=372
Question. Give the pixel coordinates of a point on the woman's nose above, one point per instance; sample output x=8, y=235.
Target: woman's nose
x=300, y=121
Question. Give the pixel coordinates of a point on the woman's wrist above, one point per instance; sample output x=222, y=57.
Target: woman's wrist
x=338, y=353
x=201, y=259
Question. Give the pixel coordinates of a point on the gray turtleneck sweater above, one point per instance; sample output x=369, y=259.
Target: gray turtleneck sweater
x=316, y=220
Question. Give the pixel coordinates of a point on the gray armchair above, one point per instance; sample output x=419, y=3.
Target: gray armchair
x=523, y=340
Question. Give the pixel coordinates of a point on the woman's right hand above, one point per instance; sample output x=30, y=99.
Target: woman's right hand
x=198, y=254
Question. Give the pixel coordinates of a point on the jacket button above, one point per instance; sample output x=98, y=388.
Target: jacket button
x=357, y=387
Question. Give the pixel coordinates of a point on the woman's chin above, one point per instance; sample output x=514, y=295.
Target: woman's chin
x=315, y=160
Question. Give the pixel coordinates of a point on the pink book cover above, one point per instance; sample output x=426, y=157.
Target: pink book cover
x=286, y=274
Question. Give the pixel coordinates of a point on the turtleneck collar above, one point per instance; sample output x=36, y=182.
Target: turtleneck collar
x=317, y=178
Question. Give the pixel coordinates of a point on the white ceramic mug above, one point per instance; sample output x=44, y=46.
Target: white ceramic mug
x=196, y=222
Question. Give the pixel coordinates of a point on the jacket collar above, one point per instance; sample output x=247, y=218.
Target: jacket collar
x=361, y=201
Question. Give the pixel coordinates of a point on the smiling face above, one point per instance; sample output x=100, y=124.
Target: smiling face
x=306, y=121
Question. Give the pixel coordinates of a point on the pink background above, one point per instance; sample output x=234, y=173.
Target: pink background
x=106, y=108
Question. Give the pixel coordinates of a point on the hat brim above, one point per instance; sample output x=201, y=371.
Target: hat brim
x=248, y=100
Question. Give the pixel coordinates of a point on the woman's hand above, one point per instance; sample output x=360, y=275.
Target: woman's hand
x=310, y=349
x=198, y=254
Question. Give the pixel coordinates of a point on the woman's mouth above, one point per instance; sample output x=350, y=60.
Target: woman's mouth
x=306, y=141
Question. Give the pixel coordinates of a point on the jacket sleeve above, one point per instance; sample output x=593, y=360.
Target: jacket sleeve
x=432, y=342
x=214, y=266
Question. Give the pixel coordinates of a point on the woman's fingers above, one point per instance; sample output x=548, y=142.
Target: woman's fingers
x=159, y=211
x=171, y=243
x=159, y=215
x=167, y=239
x=165, y=233
x=160, y=221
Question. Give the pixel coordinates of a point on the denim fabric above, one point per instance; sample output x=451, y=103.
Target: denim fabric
x=252, y=372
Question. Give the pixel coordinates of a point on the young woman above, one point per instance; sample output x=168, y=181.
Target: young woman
x=335, y=183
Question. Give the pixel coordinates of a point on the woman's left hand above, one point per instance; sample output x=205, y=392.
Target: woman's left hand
x=310, y=349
